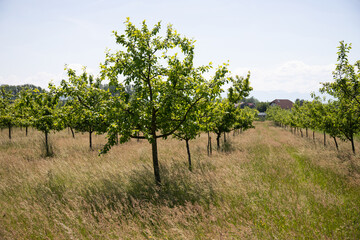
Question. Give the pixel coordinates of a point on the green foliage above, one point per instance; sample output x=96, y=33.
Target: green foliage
x=44, y=111
x=22, y=108
x=86, y=103
x=262, y=106
x=347, y=78
x=240, y=88
x=7, y=110
x=166, y=86
x=15, y=90
x=278, y=115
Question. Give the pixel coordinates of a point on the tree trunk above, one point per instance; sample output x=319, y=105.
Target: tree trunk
x=324, y=138
x=224, y=137
x=188, y=152
x=90, y=139
x=72, y=132
x=352, y=144
x=47, y=144
x=155, y=160
x=210, y=146
x=10, y=131
x=314, y=135
x=301, y=133
x=336, y=144
x=307, y=135
x=26, y=130
x=218, y=141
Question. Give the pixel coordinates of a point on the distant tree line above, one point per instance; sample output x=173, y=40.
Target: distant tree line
x=260, y=106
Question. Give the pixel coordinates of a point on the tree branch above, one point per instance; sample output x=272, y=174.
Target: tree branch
x=182, y=120
x=82, y=102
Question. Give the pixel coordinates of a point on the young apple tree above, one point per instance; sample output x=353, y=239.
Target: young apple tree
x=85, y=103
x=346, y=89
x=224, y=110
x=44, y=113
x=166, y=85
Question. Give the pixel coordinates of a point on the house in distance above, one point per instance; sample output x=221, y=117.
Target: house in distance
x=283, y=103
x=245, y=104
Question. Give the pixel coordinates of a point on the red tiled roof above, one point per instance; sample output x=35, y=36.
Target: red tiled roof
x=283, y=103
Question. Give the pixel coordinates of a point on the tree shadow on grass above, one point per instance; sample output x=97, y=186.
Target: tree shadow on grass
x=130, y=194
x=179, y=187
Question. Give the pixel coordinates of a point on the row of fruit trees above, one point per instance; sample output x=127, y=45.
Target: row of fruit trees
x=338, y=117
x=155, y=92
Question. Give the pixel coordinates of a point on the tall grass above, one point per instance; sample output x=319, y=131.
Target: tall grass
x=266, y=183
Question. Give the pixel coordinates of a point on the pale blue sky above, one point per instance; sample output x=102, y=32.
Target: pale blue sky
x=289, y=46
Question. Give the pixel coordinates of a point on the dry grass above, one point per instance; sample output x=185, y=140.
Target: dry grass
x=269, y=184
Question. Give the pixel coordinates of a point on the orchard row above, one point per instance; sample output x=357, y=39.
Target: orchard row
x=338, y=117
x=155, y=92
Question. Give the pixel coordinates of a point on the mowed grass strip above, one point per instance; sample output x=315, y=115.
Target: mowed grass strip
x=268, y=184
x=289, y=196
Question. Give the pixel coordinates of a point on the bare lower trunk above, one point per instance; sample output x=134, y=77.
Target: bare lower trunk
x=188, y=152
x=324, y=138
x=307, y=135
x=10, y=131
x=314, y=135
x=26, y=130
x=301, y=133
x=352, y=144
x=218, y=141
x=155, y=160
x=224, y=137
x=209, y=148
x=72, y=132
x=47, y=144
x=336, y=144
x=90, y=139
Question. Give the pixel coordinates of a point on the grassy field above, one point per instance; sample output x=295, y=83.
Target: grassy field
x=268, y=184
